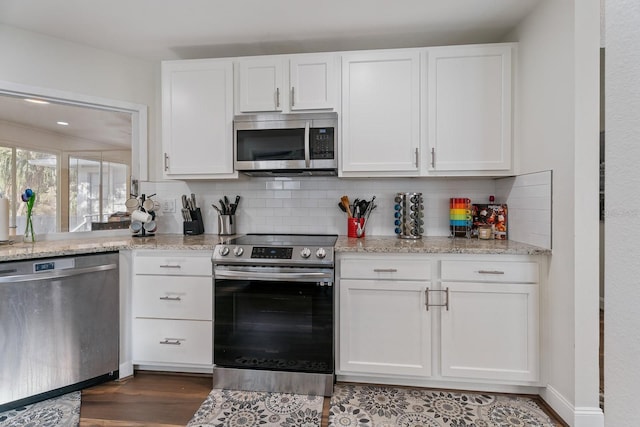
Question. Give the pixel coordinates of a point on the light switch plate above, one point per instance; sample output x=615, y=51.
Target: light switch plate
x=169, y=206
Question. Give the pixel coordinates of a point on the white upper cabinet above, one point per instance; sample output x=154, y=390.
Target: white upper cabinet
x=469, y=114
x=381, y=113
x=286, y=83
x=260, y=83
x=197, y=119
x=313, y=82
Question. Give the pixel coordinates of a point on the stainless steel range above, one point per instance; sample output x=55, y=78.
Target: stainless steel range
x=274, y=313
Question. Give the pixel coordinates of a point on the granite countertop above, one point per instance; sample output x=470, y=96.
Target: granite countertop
x=369, y=244
x=436, y=245
x=87, y=245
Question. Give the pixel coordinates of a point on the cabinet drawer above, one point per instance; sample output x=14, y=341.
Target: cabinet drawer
x=171, y=297
x=379, y=268
x=490, y=271
x=181, y=264
x=172, y=341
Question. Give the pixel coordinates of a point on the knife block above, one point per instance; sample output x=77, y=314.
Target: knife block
x=195, y=226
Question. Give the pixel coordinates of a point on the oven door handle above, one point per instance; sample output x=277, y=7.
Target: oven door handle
x=285, y=276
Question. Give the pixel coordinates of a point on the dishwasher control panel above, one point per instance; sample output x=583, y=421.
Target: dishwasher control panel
x=54, y=264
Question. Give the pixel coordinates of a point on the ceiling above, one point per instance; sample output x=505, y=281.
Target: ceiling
x=154, y=30
x=112, y=129
x=170, y=29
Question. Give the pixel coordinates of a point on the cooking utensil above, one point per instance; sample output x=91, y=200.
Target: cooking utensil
x=216, y=208
x=223, y=207
x=345, y=203
x=193, y=200
x=234, y=205
x=185, y=205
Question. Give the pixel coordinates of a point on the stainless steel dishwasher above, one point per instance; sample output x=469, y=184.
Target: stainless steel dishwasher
x=59, y=321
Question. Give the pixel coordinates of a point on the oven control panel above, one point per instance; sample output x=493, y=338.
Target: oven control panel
x=271, y=252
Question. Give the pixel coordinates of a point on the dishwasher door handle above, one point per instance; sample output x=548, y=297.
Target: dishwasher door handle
x=56, y=274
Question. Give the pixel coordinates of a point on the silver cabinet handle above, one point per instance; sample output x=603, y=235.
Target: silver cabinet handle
x=166, y=162
x=293, y=96
x=417, y=157
x=277, y=97
x=426, y=299
x=171, y=298
x=385, y=270
x=170, y=266
x=490, y=272
x=171, y=341
x=433, y=158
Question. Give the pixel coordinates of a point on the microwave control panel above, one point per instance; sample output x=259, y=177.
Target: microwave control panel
x=322, y=143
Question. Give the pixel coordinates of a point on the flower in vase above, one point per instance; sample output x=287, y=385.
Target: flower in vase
x=29, y=197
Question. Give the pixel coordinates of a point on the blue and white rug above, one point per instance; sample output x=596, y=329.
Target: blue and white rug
x=62, y=411
x=386, y=406
x=230, y=408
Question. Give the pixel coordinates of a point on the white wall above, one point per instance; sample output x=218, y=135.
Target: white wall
x=622, y=158
x=557, y=126
x=36, y=60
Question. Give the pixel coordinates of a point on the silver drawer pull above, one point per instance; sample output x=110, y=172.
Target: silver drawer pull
x=490, y=272
x=385, y=270
x=171, y=298
x=171, y=341
x=170, y=266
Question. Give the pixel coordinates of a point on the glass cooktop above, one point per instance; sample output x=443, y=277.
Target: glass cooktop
x=317, y=240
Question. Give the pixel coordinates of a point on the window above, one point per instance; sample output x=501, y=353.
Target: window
x=36, y=170
x=97, y=189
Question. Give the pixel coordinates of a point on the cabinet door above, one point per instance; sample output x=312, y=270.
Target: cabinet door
x=312, y=82
x=490, y=331
x=380, y=111
x=469, y=108
x=197, y=118
x=260, y=85
x=384, y=328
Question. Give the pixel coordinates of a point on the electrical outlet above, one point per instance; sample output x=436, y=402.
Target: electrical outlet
x=169, y=206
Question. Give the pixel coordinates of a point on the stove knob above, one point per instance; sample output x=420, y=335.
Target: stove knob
x=238, y=251
x=321, y=253
x=305, y=253
x=224, y=251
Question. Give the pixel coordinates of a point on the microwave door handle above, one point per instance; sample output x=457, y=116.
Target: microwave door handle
x=307, y=149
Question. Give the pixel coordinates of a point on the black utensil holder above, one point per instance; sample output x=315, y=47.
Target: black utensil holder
x=195, y=226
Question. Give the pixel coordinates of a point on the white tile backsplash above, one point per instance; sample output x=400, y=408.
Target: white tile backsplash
x=310, y=204
x=529, y=200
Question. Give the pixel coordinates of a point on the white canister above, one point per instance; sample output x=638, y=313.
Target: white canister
x=4, y=219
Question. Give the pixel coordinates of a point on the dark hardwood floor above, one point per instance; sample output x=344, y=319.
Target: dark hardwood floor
x=153, y=399
x=149, y=399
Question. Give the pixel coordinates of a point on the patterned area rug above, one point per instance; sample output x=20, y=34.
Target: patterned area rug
x=230, y=408
x=369, y=406
x=62, y=411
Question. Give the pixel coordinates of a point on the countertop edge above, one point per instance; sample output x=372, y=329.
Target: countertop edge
x=178, y=242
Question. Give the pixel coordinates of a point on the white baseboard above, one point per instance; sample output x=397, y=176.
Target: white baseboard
x=574, y=416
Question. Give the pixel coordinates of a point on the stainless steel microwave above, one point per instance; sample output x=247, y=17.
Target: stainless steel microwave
x=286, y=144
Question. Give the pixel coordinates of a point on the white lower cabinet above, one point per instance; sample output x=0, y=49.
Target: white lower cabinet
x=173, y=310
x=490, y=330
x=439, y=320
x=385, y=328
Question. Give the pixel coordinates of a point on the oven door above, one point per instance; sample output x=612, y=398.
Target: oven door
x=274, y=318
